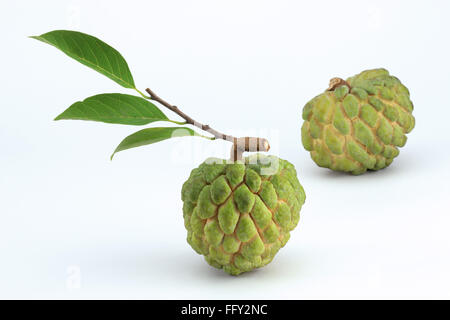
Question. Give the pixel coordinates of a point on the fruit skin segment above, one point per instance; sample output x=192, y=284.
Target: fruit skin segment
x=238, y=215
x=360, y=124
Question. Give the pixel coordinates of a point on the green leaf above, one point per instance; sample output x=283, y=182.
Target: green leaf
x=114, y=108
x=91, y=52
x=152, y=135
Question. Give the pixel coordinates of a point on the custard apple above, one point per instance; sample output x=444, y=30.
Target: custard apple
x=238, y=215
x=358, y=124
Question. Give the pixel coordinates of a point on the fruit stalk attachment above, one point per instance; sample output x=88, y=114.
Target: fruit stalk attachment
x=240, y=145
x=337, y=82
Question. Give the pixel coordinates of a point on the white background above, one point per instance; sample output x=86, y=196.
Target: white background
x=75, y=225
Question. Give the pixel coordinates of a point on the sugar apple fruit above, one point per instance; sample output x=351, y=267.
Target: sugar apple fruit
x=359, y=124
x=238, y=215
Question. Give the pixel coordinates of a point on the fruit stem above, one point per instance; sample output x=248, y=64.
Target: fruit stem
x=240, y=145
x=337, y=82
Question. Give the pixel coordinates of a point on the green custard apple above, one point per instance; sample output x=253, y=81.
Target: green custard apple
x=238, y=215
x=358, y=124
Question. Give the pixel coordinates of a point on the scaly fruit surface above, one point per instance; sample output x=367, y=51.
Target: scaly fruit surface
x=238, y=215
x=360, y=125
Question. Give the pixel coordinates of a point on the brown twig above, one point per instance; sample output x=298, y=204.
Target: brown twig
x=240, y=145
